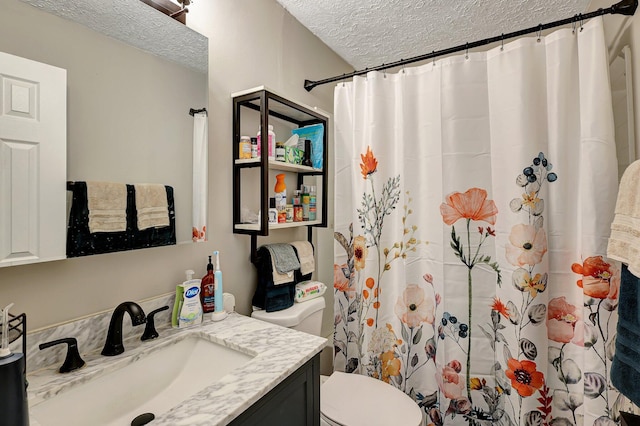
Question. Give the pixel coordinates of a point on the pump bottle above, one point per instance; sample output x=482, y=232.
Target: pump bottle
x=207, y=288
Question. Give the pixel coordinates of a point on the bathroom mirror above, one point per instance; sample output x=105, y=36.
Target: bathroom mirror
x=133, y=74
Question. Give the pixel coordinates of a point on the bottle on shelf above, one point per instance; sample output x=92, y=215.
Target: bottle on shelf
x=254, y=148
x=305, y=203
x=244, y=148
x=281, y=198
x=273, y=212
x=271, y=143
x=312, y=203
x=306, y=161
x=297, y=206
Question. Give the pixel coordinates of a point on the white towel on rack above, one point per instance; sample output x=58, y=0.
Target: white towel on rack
x=107, y=204
x=624, y=242
x=152, y=206
x=304, y=250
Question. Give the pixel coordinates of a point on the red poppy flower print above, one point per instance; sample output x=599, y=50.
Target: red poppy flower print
x=473, y=204
x=525, y=379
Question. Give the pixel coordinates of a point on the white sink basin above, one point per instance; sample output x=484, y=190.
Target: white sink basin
x=152, y=384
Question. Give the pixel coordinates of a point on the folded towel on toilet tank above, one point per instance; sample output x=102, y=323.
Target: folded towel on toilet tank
x=304, y=250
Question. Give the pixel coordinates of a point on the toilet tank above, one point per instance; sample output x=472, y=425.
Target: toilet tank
x=304, y=316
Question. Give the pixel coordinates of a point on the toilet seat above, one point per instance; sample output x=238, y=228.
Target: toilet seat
x=355, y=400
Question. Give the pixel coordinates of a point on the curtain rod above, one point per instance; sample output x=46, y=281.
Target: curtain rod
x=624, y=7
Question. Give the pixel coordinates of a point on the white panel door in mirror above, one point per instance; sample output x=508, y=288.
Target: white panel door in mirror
x=32, y=161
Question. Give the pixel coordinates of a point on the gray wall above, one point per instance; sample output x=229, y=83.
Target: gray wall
x=251, y=43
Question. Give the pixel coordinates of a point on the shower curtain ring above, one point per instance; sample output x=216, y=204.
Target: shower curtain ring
x=502, y=42
x=581, y=25
x=466, y=55
x=434, y=57
x=539, y=32
x=384, y=71
x=573, y=25
x=403, y=65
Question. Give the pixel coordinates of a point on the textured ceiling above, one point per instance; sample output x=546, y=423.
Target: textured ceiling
x=366, y=33
x=137, y=24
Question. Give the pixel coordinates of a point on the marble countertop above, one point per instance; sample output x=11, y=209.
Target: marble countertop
x=277, y=353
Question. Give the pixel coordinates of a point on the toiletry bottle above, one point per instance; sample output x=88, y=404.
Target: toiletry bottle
x=177, y=306
x=219, y=312
x=254, y=148
x=191, y=309
x=207, y=288
x=312, y=202
x=273, y=212
x=271, y=143
x=297, y=206
x=307, y=153
x=305, y=203
x=244, y=148
x=289, y=211
x=281, y=198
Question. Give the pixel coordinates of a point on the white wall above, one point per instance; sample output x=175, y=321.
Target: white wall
x=251, y=43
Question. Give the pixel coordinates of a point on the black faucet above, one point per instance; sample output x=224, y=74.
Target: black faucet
x=113, y=345
x=72, y=361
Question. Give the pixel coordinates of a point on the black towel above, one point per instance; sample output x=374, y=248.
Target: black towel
x=81, y=242
x=625, y=369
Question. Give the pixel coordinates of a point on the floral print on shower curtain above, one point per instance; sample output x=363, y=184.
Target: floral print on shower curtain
x=473, y=278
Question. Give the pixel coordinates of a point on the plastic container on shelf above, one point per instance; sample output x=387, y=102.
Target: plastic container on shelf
x=271, y=143
x=244, y=151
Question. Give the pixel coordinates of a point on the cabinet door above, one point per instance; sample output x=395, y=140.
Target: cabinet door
x=294, y=402
x=33, y=161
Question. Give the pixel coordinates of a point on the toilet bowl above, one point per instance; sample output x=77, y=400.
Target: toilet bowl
x=366, y=396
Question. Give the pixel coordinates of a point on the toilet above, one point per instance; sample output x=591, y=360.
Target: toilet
x=365, y=394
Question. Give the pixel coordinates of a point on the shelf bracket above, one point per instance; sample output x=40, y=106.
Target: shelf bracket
x=254, y=248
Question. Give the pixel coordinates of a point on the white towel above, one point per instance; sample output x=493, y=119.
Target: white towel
x=304, y=250
x=624, y=242
x=151, y=205
x=107, y=204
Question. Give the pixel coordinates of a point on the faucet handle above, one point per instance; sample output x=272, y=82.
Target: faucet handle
x=150, y=328
x=73, y=361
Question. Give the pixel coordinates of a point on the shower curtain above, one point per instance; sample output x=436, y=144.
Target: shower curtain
x=200, y=176
x=473, y=201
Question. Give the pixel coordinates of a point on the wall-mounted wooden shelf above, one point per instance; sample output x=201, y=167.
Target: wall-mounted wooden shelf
x=270, y=108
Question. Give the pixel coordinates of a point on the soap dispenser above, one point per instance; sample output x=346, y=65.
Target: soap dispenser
x=187, y=310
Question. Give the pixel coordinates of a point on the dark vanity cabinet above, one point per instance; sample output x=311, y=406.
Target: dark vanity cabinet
x=294, y=402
